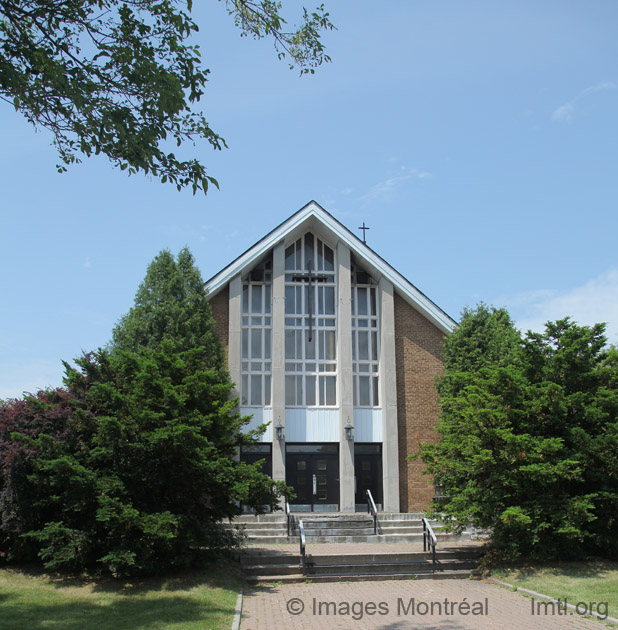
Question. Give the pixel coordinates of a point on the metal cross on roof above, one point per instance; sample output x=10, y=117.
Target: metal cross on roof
x=364, y=228
x=309, y=277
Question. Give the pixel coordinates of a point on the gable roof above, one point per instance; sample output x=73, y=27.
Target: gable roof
x=314, y=217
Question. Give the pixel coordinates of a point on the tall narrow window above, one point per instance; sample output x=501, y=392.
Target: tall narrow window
x=365, y=339
x=256, y=365
x=310, y=324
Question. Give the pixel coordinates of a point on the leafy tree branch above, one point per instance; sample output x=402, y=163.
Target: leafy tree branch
x=122, y=78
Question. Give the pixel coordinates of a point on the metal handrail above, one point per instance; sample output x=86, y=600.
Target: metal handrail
x=429, y=539
x=301, y=530
x=371, y=509
x=290, y=517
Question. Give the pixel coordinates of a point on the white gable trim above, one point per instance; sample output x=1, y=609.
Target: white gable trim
x=303, y=219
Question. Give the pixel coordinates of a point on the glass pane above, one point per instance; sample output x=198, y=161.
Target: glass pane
x=331, y=350
x=256, y=389
x=267, y=343
x=321, y=300
x=363, y=391
x=244, y=389
x=245, y=344
x=245, y=299
x=309, y=346
x=330, y=390
x=362, y=301
x=320, y=256
x=267, y=384
x=299, y=390
x=301, y=465
x=363, y=345
x=309, y=254
x=355, y=379
x=267, y=298
x=373, y=302
x=256, y=367
x=299, y=344
x=374, y=346
x=289, y=258
x=329, y=300
x=329, y=259
x=256, y=321
x=290, y=344
x=299, y=302
x=310, y=390
x=290, y=390
x=354, y=345
x=376, y=398
x=256, y=343
x=256, y=298
x=289, y=300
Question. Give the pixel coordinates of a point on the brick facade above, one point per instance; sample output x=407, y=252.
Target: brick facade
x=220, y=305
x=418, y=345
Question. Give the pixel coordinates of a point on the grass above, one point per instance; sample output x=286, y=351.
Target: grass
x=593, y=581
x=203, y=600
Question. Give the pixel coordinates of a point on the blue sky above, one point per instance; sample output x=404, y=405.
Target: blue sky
x=478, y=140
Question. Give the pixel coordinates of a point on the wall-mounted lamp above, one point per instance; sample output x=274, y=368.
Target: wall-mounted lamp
x=280, y=434
x=349, y=431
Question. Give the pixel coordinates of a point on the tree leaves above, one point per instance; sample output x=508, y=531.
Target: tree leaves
x=120, y=78
x=528, y=430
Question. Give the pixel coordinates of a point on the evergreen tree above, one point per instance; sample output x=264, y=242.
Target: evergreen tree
x=529, y=437
x=136, y=469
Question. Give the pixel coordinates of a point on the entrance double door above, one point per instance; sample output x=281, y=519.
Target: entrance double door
x=313, y=471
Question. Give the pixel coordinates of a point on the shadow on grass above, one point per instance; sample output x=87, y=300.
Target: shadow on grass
x=594, y=567
x=121, y=614
x=217, y=574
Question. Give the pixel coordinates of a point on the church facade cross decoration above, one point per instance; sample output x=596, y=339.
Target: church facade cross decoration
x=310, y=278
x=364, y=228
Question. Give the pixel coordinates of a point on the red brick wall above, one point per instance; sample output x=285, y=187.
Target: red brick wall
x=418, y=346
x=220, y=310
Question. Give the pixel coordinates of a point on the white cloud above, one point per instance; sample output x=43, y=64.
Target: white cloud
x=593, y=302
x=566, y=112
x=383, y=190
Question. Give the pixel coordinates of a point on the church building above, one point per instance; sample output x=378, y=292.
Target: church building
x=338, y=353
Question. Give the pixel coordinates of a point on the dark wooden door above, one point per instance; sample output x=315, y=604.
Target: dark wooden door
x=313, y=472
x=368, y=472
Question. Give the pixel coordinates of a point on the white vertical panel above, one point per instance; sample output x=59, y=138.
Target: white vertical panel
x=312, y=425
x=367, y=424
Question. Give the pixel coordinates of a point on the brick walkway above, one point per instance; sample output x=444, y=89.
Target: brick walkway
x=389, y=606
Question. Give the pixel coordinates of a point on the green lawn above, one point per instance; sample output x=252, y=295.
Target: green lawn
x=593, y=581
x=190, y=601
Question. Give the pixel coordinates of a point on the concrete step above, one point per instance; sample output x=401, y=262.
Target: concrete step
x=273, y=569
x=262, y=525
x=367, y=577
x=388, y=568
x=273, y=540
